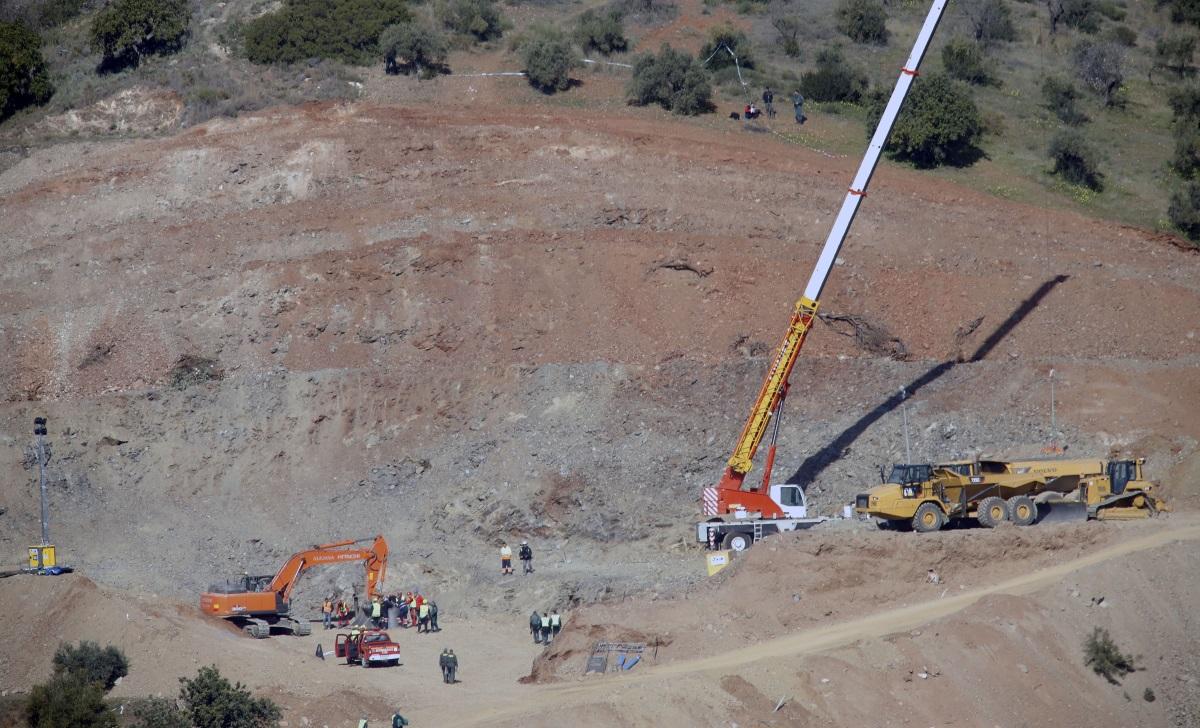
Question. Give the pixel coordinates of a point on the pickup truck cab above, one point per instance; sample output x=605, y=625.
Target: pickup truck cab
x=368, y=647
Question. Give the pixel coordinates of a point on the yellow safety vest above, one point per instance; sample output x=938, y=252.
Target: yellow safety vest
x=424, y=611
x=545, y=621
x=376, y=609
x=555, y=620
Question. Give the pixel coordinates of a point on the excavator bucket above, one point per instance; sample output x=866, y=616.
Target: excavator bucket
x=1062, y=512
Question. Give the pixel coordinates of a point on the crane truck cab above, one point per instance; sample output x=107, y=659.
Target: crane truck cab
x=745, y=526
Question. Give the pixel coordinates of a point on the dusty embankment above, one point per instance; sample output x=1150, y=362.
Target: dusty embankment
x=1009, y=620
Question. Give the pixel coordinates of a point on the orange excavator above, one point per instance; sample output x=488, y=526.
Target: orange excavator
x=260, y=604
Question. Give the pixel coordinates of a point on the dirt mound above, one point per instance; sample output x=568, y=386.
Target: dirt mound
x=800, y=580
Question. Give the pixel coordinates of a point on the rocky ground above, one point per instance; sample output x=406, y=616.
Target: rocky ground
x=479, y=322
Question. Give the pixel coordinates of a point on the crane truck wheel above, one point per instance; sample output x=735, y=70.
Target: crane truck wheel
x=1022, y=510
x=929, y=517
x=738, y=541
x=992, y=511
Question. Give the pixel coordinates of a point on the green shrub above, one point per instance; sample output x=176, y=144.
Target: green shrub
x=864, y=21
x=1174, y=52
x=1122, y=35
x=1082, y=15
x=788, y=28
x=344, y=30
x=1184, y=11
x=1187, y=151
x=720, y=38
x=41, y=14
x=159, y=713
x=1110, y=10
x=480, y=19
x=23, y=77
x=671, y=79
x=68, y=700
x=647, y=12
x=1101, y=654
x=1185, y=103
x=210, y=701
x=549, y=58
x=601, y=32
x=1101, y=66
x=414, y=46
x=834, y=79
x=1075, y=160
x=126, y=30
x=991, y=20
x=938, y=124
x=1061, y=97
x=963, y=59
x=92, y=663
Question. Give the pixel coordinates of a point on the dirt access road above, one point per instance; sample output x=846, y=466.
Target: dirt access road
x=552, y=704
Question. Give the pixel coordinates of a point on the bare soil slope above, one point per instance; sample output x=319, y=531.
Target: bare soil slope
x=479, y=322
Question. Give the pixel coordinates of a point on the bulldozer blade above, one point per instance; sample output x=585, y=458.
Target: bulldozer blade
x=1059, y=512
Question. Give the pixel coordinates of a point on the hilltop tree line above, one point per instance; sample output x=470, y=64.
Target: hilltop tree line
x=940, y=123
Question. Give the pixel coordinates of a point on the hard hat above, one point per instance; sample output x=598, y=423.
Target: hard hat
x=524, y=543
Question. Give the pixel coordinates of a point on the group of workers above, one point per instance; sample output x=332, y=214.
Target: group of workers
x=768, y=96
x=545, y=626
x=410, y=610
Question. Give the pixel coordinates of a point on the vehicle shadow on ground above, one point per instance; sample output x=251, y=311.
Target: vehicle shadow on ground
x=816, y=463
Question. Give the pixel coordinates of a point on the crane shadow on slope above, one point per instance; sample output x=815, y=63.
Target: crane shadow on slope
x=816, y=463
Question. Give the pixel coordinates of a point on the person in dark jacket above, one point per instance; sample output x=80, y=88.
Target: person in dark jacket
x=798, y=105
x=452, y=666
x=535, y=627
x=526, y=555
x=433, y=611
x=768, y=97
x=444, y=662
x=398, y=721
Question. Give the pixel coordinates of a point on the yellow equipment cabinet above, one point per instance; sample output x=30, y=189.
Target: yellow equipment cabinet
x=42, y=556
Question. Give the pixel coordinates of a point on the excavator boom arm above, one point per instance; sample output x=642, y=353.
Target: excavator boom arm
x=332, y=553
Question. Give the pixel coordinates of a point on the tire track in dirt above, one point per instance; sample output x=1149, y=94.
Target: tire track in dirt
x=822, y=639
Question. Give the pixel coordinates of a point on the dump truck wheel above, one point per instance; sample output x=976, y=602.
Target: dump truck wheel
x=928, y=518
x=1022, y=510
x=992, y=512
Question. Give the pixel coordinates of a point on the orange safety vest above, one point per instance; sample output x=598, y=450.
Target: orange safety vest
x=327, y=607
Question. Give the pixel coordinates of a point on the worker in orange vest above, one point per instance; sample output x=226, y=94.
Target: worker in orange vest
x=327, y=611
x=413, y=607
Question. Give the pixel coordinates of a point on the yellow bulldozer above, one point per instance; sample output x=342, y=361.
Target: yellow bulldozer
x=928, y=497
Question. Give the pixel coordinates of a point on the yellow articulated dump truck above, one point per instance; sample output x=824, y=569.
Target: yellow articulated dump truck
x=927, y=497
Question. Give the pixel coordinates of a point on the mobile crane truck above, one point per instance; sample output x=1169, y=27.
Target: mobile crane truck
x=737, y=517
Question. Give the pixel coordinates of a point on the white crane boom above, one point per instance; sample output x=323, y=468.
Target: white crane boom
x=858, y=189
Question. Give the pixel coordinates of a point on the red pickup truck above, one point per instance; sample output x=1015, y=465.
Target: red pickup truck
x=370, y=647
